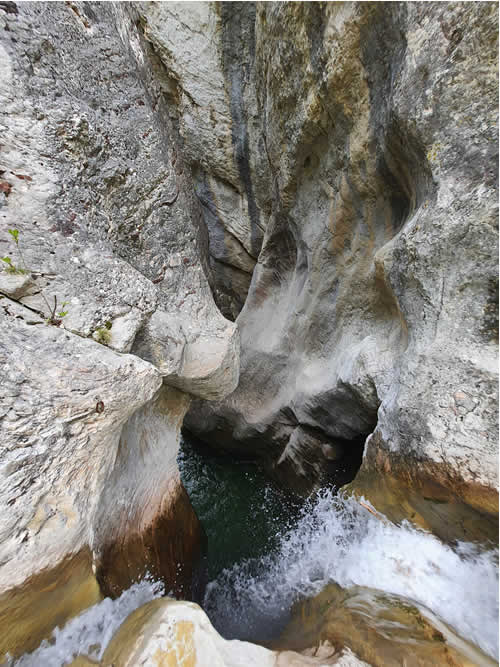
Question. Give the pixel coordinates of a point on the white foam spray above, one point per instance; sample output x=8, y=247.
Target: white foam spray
x=334, y=540
x=337, y=540
x=89, y=633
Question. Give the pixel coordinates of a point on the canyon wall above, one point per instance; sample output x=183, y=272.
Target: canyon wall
x=325, y=174
x=372, y=159
x=96, y=384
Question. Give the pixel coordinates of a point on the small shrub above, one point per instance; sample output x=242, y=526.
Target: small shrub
x=55, y=317
x=102, y=335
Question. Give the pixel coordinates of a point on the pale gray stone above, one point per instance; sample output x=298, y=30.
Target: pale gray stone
x=92, y=176
x=14, y=285
x=57, y=446
x=206, y=49
x=124, y=329
x=373, y=301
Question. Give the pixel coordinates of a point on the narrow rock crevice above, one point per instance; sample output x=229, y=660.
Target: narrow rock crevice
x=312, y=460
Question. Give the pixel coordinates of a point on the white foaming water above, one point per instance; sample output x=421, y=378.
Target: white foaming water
x=336, y=540
x=90, y=633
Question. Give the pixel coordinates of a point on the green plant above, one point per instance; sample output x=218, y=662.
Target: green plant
x=102, y=335
x=11, y=268
x=15, y=235
x=55, y=317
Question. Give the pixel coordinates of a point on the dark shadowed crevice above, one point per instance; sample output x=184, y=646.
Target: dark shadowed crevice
x=405, y=170
x=238, y=27
x=230, y=262
x=400, y=155
x=313, y=459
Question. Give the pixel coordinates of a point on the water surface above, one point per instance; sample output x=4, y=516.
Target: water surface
x=268, y=551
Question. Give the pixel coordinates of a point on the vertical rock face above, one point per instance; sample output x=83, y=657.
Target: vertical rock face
x=64, y=402
x=111, y=250
x=144, y=524
x=208, y=51
x=372, y=304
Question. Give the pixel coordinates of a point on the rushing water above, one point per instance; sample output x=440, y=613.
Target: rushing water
x=265, y=553
x=337, y=540
x=89, y=633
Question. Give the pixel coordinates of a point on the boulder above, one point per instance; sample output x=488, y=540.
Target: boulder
x=167, y=632
x=385, y=630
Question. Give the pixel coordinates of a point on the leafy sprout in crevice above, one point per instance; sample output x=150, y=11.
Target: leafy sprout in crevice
x=55, y=316
x=10, y=267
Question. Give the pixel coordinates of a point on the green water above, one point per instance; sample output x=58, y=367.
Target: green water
x=267, y=552
x=242, y=511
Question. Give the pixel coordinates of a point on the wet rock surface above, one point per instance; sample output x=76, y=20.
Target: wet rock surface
x=144, y=524
x=173, y=633
x=384, y=630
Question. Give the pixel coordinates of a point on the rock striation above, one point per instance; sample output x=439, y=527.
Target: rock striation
x=371, y=314
x=208, y=51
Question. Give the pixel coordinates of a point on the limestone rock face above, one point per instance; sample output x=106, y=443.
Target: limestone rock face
x=372, y=304
x=144, y=523
x=167, y=632
x=64, y=401
x=110, y=242
x=107, y=216
x=207, y=50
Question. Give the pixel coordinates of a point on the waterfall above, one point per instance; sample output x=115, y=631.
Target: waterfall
x=337, y=540
x=334, y=539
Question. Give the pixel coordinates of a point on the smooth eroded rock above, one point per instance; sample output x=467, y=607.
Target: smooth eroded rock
x=372, y=308
x=385, y=630
x=144, y=523
x=170, y=633
x=30, y=611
